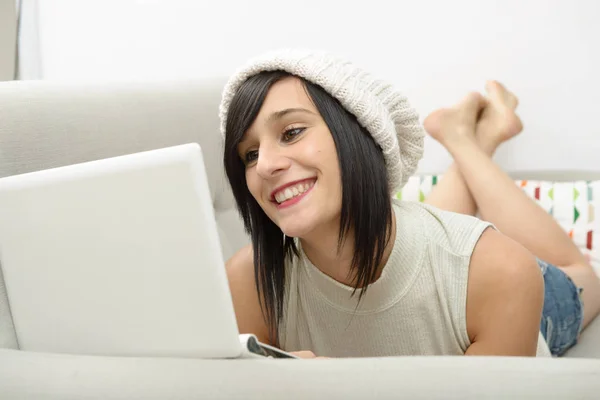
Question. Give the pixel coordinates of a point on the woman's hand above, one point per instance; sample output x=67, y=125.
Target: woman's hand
x=306, y=354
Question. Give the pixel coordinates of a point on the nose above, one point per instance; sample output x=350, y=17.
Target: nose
x=271, y=160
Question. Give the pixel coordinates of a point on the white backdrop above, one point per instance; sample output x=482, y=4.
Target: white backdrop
x=548, y=51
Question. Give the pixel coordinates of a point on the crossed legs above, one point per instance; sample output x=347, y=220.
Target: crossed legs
x=471, y=131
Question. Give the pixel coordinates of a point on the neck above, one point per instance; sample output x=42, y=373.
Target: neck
x=321, y=249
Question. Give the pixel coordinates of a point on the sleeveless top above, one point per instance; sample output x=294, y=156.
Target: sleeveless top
x=416, y=307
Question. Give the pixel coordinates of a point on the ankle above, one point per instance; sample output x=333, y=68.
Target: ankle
x=488, y=146
x=461, y=143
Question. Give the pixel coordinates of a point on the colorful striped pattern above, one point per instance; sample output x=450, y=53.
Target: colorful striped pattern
x=572, y=204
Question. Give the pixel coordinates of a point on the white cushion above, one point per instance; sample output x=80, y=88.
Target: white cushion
x=26, y=375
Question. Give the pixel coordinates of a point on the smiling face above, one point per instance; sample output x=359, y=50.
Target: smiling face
x=292, y=167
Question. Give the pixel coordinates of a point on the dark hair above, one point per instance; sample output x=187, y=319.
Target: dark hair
x=366, y=200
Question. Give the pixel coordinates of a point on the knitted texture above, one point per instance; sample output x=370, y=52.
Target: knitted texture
x=378, y=107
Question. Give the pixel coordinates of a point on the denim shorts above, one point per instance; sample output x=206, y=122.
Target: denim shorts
x=562, y=317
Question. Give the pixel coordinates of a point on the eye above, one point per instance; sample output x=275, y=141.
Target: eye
x=292, y=133
x=251, y=156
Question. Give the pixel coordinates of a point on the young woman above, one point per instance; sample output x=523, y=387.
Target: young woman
x=314, y=147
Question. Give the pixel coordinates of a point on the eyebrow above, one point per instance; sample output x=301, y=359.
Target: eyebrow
x=277, y=115
x=282, y=113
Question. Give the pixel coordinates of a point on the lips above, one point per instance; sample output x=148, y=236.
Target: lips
x=292, y=190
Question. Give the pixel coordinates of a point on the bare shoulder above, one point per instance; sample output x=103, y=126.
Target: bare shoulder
x=240, y=273
x=505, y=297
x=241, y=263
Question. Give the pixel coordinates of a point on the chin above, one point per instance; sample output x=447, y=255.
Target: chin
x=291, y=230
x=298, y=228
x=303, y=223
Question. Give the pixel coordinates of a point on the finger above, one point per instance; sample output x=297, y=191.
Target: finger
x=304, y=354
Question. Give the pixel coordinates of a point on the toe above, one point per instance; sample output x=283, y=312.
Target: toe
x=472, y=103
x=498, y=93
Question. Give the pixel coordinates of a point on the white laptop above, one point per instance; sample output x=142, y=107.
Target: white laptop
x=119, y=257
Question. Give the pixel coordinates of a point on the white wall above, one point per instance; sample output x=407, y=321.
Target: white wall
x=548, y=51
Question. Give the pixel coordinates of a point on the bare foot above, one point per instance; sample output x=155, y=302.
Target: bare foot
x=451, y=125
x=498, y=122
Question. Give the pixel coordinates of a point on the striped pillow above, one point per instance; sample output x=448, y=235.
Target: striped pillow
x=572, y=204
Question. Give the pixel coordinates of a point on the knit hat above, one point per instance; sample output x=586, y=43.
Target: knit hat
x=383, y=111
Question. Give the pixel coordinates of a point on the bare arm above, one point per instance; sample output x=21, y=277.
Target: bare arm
x=240, y=272
x=505, y=298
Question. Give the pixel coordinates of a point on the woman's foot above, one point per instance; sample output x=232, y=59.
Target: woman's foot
x=455, y=125
x=498, y=122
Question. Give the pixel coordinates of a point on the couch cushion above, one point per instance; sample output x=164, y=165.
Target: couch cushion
x=8, y=337
x=51, y=124
x=27, y=375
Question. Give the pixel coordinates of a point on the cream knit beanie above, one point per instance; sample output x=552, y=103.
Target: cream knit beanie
x=378, y=107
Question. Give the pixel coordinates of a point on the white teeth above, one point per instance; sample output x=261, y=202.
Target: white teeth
x=293, y=191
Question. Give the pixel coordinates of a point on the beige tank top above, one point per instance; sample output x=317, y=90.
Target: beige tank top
x=416, y=307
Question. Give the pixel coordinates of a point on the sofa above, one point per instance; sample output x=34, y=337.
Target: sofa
x=8, y=39
x=50, y=124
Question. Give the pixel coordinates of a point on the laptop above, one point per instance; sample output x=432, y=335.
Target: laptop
x=120, y=257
